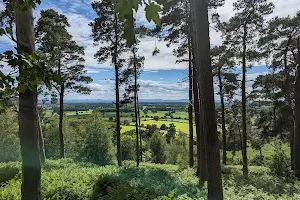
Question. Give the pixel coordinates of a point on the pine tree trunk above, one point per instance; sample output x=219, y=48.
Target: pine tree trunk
x=28, y=116
x=136, y=110
x=223, y=117
x=205, y=79
x=297, y=117
x=140, y=133
x=200, y=137
x=289, y=101
x=244, y=119
x=61, y=120
x=118, y=128
x=190, y=109
x=41, y=141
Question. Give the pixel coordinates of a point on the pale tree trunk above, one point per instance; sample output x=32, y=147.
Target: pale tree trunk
x=202, y=59
x=244, y=119
x=41, y=141
x=297, y=117
x=190, y=109
x=115, y=57
x=136, y=110
x=28, y=116
x=223, y=117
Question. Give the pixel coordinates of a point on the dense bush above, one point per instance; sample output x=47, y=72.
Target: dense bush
x=158, y=147
x=128, y=147
x=9, y=139
x=96, y=146
x=177, y=151
x=279, y=163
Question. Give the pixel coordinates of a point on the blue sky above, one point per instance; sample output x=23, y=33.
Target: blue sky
x=162, y=78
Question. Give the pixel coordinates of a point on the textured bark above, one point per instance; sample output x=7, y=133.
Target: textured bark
x=136, y=111
x=190, y=110
x=28, y=116
x=202, y=59
x=289, y=100
x=200, y=137
x=244, y=119
x=297, y=117
x=223, y=117
x=61, y=120
x=115, y=60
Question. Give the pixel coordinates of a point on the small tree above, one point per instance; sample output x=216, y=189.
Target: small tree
x=158, y=147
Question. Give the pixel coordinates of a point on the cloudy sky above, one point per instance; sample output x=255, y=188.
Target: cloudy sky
x=162, y=78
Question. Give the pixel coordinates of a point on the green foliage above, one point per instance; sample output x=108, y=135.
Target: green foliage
x=96, y=146
x=8, y=171
x=9, y=139
x=158, y=147
x=128, y=147
x=177, y=151
x=279, y=163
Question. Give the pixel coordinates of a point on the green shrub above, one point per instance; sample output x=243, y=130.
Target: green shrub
x=8, y=171
x=279, y=163
x=128, y=146
x=158, y=147
x=96, y=146
x=9, y=139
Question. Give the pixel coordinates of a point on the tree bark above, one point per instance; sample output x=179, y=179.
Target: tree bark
x=61, y=120
x=118, y=128
x=289, y=101
x=190, y=109
x=297, y=117
x=244, y=119
x=223, y=116
x=200, y=137
x=202, y=59
x=28, y=116
x=136, y=110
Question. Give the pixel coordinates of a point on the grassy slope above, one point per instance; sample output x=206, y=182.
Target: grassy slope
x=64, y=179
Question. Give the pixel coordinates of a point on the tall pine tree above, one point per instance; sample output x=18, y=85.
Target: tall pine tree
x=65, y=57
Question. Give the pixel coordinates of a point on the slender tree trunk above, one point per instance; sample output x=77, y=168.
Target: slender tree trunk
x=41, y=141
x=297, y=117
x=289, y=101
x=205, y=79
x=61, y=120
x=190, y=109
x=118, y=128
x=28, y=116
x=223, y=117
x=244, y=119
x=140, y=133
x=200, y=137
x=136, y=110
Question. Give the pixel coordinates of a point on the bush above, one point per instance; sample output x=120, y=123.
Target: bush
x=157, y=147
x=97, y=144
x=9, y=139
x=279, y=163
x=163, y=127
x=126, y=123
x=128, y=147
x=177, y=151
